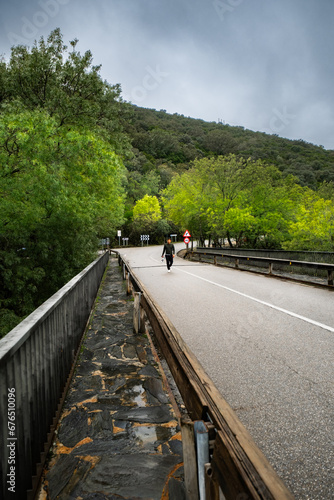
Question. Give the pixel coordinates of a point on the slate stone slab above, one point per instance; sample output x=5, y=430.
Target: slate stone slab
x=74, y=428
x=177, y=490
x=118, y=436
x=130, y=476
x=59, y=478
x=114, y=367
x=154, y=387
x=151, y=414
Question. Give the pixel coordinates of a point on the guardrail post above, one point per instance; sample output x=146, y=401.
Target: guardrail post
x=215, y=260
x=129, y=286
x=271, y=266
x=330, y=277
x=189, y=458
x=202, y=448
x=236, y=263
x=138, y=314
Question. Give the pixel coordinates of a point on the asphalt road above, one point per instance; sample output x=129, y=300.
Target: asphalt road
x=268, y=345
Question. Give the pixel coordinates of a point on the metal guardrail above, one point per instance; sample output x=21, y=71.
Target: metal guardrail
x=270, y=261
x=301, y=255
x=236, y=466
x=35, y=362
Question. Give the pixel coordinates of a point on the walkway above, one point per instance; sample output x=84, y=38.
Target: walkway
x=118, y=436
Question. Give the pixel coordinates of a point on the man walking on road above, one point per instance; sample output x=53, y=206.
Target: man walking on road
x=169, y=251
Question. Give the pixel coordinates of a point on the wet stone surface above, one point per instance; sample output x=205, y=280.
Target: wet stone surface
x=118, y=436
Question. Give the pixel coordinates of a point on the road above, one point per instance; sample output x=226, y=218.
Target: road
x=268, y=345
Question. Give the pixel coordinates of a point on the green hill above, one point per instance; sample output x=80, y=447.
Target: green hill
x=164, y=144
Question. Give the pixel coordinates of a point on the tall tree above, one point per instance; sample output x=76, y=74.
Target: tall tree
x=313, y=227
x=60, y=190
x=67, y=85
x=61, y=179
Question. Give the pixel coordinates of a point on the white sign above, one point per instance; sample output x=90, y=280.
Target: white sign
x=119, y=233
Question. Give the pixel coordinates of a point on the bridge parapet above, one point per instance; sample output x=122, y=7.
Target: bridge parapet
x=306, y=255
x=35, y=362
x=257, y=259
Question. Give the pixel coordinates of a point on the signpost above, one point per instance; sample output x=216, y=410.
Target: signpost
x=186, y=238
x=119, y=234
x=105, y=242
x=144, y=237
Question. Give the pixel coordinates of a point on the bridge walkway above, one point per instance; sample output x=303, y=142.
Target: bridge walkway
x=119, y=433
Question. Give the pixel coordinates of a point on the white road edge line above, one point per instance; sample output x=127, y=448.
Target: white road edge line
x=290, y=313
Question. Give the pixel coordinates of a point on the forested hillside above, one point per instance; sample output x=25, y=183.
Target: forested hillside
x=165, y=144
x=227, y=183
x=77, y=163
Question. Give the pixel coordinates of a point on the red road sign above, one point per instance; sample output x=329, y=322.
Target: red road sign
x=187, y=234
x=186, y=240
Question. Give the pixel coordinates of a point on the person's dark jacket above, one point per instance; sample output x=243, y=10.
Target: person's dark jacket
x=169, y=249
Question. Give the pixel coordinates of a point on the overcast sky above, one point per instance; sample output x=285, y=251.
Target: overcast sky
x=262, y=64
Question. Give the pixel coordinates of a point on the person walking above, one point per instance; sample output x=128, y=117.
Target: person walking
x=169, y=251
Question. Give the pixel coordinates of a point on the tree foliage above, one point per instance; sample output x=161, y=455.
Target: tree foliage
x=147, y=209
x=250, y=204
x=61, y=179
x=67, y=85
x=178, y=140
x=211, y=189
x=313, y=227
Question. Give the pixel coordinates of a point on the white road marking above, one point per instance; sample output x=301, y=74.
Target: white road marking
x=290, y=313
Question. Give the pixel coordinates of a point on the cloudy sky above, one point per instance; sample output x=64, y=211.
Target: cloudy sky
x=262, y=64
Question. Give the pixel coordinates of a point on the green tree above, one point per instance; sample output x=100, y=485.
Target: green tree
x=60, y=190
x=243, y=200
x=272, y=203
x=219, y=142
x=67, y=85
x=147, y=219
x=61, y=179
x=313, y=228
x=138, y=185
x=147, y=210
x=187, y=203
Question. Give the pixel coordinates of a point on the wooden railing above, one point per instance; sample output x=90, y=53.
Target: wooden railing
x=35, y=362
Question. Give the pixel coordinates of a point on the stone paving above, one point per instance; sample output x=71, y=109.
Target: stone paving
x=118, y=435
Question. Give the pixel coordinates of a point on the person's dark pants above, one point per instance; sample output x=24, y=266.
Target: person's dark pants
x=169, y=261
